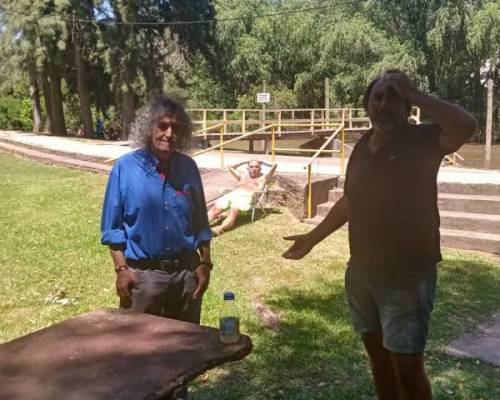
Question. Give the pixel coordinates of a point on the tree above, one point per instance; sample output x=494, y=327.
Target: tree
x=81, y=41
x=19, y=52
x=135, y=36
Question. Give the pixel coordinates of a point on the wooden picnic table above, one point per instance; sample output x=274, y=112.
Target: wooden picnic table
x=111, y=354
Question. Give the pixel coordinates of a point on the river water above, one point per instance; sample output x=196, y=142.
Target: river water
x=473, y=155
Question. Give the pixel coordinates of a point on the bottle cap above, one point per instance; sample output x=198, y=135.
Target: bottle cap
x=228, y=296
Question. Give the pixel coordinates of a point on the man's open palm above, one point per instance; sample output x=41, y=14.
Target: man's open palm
x=300, y=248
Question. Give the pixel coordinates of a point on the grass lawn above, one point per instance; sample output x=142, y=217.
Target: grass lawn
x=50, y=240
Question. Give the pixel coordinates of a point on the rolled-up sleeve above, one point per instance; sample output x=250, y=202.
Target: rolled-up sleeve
x=112, y=229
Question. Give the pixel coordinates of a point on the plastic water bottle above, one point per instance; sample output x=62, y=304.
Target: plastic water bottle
x=229, y=320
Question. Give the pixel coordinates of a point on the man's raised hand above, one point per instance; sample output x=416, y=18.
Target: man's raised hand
x=401, y=84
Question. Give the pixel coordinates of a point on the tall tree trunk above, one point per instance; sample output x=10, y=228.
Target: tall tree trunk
x=128, y=111
x=47, y=102
x=128, y=99
x=81, y=80
x=58, y=123
x=35, y=100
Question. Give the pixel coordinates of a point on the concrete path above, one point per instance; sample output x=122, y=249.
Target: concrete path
x=483, y=343
x=104, y=150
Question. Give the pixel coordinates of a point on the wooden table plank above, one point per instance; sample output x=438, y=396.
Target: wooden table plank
x=111, y=354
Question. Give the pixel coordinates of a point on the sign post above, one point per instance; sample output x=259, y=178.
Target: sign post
x=489, y=120
x=263, y=98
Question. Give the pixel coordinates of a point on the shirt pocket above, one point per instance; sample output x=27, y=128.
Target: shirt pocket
x=183, y=204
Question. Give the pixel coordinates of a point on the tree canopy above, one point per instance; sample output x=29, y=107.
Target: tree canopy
x=78, y=60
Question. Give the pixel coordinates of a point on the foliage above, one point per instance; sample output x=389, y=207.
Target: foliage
x=15, y=113
x=281, y=97
x=444, y=45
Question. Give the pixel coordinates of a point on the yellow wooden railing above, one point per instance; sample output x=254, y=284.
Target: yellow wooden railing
x=308, y=166
x=223, y=142
x=240, y=120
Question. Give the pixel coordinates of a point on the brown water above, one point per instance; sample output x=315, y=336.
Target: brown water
x=474, y=156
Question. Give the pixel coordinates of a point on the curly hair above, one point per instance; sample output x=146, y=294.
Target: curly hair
x=368, y=91
x=152, y=113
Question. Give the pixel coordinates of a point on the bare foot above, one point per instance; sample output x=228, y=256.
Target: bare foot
x=217, y=231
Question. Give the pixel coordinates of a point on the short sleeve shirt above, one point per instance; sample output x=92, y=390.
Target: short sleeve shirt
x=392, y=195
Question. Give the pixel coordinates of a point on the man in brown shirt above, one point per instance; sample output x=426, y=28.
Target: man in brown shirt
x=390, y=201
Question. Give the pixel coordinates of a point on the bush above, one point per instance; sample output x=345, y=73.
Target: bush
x=15, y=113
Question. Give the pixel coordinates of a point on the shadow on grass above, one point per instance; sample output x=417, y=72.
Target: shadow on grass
x=316, y=354
x=467, y=295
x=245, y=218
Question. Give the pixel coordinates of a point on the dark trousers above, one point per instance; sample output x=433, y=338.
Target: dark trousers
x=167, y=295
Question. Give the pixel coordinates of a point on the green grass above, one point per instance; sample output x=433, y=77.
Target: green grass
x=50, y=239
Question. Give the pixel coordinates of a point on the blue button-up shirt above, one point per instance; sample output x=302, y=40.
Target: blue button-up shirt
x=152, y=215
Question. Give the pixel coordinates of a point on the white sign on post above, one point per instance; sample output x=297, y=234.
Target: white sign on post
x=263, y=97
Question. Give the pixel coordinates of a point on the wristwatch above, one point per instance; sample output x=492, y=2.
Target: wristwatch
x=120, y=268
x=209, y=264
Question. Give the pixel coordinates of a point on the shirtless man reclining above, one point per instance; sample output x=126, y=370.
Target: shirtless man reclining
x=240, y=199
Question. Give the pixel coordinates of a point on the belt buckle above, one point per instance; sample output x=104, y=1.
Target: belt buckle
x=169, y=266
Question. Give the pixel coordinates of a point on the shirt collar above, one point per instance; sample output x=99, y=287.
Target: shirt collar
x=151, y=162
x=391, y=145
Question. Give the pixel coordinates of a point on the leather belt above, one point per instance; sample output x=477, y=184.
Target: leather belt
x=170, y=266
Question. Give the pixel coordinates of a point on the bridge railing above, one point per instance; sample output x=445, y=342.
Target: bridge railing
x=243, y=120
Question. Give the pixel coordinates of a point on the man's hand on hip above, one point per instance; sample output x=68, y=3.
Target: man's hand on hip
x=203, y=274
x=125, y=279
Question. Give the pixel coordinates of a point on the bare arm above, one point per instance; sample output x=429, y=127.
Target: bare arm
x=203, y=270
x=271, y=172
x=117, y=254
x=232, y=168
x=124, y=278
x=456, y=123
x=336, y=217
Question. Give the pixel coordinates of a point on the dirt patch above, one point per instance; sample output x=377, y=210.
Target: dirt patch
x=268, y=318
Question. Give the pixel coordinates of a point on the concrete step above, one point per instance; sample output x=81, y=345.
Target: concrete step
x=469, y=240
x=341, y=182
x=477, y=222
x=314, y=220
x=322, y=209
x=454, y=238
x=469, y=188
x=469, y=203
x=335, y=194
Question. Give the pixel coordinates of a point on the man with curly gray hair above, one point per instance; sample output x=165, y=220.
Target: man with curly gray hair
x=154, y=219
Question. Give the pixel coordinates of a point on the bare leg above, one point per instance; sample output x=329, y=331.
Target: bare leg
x=228, y=222
x=413, y=378
x=213, y=213
x=385, y=374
